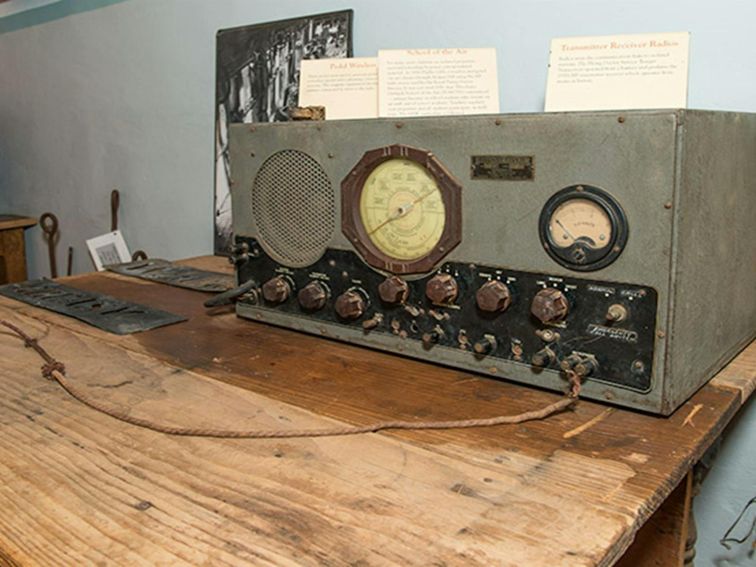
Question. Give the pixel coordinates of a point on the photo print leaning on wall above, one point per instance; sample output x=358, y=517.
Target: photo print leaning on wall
x=257, y=80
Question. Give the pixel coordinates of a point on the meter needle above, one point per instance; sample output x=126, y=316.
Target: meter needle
x=567, y=232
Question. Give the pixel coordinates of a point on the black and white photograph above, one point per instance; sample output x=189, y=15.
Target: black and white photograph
x=257, y=80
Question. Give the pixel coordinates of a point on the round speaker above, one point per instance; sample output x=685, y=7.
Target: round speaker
x=293, y=208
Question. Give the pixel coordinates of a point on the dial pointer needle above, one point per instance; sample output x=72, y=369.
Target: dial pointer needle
x=567, y=232
x=401, y=211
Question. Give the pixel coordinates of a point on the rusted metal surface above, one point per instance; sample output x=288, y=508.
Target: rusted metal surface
x=307, y=113
x=163, y=271
x=99, y=310
x=69, y=262
x=49, y=224
x=115, y=201
x=228, y=297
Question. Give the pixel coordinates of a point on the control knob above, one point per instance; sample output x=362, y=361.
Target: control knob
x=313, y=296
x=550, y=305
x=616, y=313
x=441, y=289
x=493, y=297
x=393, y=290
x=350, y=305
x=276, y=290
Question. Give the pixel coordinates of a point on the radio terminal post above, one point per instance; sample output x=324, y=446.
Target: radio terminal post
x=484, y=346
x=582, y=364
x=543, y=358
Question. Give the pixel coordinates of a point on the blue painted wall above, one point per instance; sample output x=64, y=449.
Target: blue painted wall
x=103, y=94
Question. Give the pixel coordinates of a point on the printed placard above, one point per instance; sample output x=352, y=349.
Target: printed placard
x=347, y=88
x=107, y=249
x=437, y=82
x=619, y=72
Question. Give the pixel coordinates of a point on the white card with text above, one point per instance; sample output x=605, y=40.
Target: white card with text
x=437, y=82
x=109, y=248
x=348, y=88
x=618, y=72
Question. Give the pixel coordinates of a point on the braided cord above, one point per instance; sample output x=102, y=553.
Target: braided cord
x=56, y=370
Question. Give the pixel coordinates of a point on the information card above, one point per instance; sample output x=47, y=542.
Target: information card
x=348, y=88
x=435, y=82
x=618, y=72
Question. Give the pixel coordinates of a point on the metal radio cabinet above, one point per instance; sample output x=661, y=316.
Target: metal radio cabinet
x=620, y=243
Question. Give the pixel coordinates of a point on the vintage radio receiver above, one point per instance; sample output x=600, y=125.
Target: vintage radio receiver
x=619, y=244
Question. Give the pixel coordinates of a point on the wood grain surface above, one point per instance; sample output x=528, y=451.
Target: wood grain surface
x=8, y=222
x=12, y=256
x=78, y=487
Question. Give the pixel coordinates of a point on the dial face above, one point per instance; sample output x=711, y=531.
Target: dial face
x=580, y=221
x=402, y=209
x=583, y=228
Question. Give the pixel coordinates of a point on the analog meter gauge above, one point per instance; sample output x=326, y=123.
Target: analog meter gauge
x=583, y=228
x=401, y=209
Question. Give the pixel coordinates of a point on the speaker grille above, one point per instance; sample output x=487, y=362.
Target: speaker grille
x=293, y=208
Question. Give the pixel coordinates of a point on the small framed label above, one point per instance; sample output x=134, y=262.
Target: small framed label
x=502, y=168
x=108, y=249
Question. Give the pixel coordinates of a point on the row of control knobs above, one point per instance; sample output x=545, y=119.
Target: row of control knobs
x=549, y=305
x=313, y=297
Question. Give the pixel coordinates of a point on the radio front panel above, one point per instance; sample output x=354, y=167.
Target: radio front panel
x=515, y=246
x=467, y=331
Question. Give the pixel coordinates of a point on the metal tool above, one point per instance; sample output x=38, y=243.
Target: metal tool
x=163, y=271
x=49, y=224
x=230, y=296
x=69, y=264
x=115, y=200
x=115, y=203
x=99, y=310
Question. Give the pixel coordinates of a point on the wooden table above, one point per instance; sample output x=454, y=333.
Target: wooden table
x=12, y=250
x=78, y=487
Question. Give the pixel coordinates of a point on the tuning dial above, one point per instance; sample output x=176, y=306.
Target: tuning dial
x=441, y=289
x=276, y=290
x=393, y=290
x=550, y=305
x=313, y=296
x=493, y=297
x=484, y=346
x=350, y=305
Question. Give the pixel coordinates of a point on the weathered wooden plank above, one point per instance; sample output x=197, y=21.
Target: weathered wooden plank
x=78, y=486
x=661, y=540
x=8, y=222
x=739, y=375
